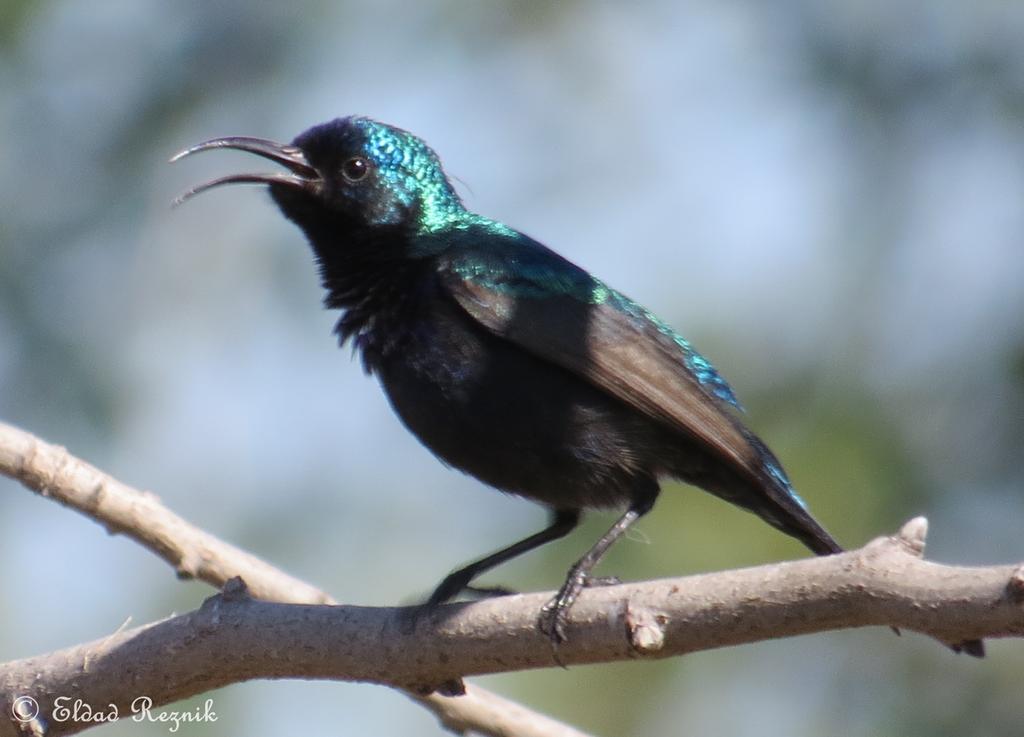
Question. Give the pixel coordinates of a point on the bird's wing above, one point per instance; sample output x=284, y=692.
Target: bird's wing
x=560, y=313
x=527, y=294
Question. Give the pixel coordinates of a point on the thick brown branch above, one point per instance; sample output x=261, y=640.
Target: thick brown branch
x=226, y=640
x=52, y=472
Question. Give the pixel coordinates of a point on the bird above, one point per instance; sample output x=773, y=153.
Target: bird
x=508, y=361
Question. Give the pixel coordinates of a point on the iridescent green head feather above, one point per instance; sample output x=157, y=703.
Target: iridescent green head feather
x=400, y=180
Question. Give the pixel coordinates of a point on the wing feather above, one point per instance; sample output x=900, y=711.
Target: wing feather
x=531, y=296
x=573, y=320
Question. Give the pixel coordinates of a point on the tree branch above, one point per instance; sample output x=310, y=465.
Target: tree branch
x=52, y=472
x=226, y=640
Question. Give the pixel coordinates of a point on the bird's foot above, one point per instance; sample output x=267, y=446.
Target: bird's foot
x=552, y=621
x=554, y=616
x=453, y=585
x=458, y=582
x=488, y=592
x=448, y=589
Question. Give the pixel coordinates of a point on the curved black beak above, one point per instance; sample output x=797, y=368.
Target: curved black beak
x=302, y=175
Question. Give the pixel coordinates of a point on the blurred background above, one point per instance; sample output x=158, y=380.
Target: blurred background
x=826, y=197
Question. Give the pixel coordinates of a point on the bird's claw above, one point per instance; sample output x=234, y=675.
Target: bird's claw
x=447, y=590
x=488, y=592
x=554, y=616
x=552, y=622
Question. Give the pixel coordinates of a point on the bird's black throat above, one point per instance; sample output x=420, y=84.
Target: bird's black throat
x=366, y=272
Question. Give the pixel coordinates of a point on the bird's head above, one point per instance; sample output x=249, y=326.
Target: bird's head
x=351, y=172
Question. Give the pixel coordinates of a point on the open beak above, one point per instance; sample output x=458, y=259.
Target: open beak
x=301, y=175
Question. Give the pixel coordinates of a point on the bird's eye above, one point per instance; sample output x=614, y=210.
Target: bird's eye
x=355, y=168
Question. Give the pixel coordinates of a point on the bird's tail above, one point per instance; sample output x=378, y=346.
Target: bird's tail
x=814, y=536
x=783, y=508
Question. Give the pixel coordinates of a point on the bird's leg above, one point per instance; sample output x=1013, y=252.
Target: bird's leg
x=563, y=521
x=555, y=614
